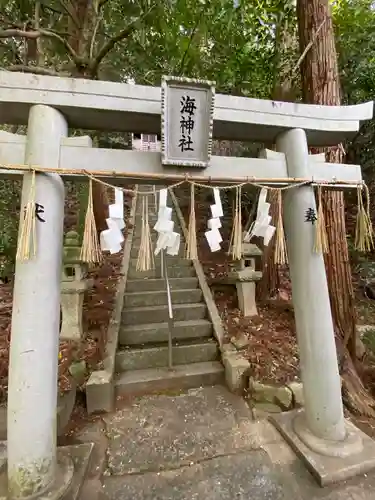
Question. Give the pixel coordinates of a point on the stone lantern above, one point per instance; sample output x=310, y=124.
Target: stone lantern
x=246, y=277
x=74, y=283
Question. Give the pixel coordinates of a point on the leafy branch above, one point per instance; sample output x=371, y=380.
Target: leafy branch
x=17, y=33
x=192, y=35
x=122, y=35
x=35, y=34
x=36, y=70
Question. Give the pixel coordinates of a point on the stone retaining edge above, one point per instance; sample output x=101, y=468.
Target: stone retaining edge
x=207, y=295
x=236, y=367
x=100, y=395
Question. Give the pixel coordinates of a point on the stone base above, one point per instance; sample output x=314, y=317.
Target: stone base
x=236, y=368
x=100, y=392
x=73, y=462
x=246, y=298
x=334, y=463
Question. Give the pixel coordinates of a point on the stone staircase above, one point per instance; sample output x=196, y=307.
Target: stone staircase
x=142, y=355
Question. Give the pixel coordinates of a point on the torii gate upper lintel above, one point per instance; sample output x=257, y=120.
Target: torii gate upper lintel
x=108, y=106
x=49, y=105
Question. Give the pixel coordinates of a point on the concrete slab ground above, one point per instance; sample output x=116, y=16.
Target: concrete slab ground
x=202, y=444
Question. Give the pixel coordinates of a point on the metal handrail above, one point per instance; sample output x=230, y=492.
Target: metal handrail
x=164, y=273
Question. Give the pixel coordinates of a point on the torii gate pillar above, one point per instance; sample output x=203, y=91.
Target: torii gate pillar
x=318, y=433
x=312, y=309
x=35, y=468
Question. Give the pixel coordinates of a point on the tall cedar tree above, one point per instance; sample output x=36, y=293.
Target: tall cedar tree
x=321, y=85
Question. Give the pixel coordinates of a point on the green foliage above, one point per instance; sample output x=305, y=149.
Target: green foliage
x=355, y=25
x=9, y=214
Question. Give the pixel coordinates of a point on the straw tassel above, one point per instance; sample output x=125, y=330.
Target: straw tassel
x=26, y=247
x=235, y=246
x=321, y=238
x=155, y=200
x=280, y=243
x=364, y=234
x=191, y=244
x=145, y=260
x=90, y=250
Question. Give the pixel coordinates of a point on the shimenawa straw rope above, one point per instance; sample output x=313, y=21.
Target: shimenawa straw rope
x=90, y=250
x=280, y=243
x=145, y=260
x=321, y=238
x=364, y=234
x=191, y=243
x=235, y=246
x=26, y=247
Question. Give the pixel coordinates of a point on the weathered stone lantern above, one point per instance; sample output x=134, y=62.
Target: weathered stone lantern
x=73, y=286
x=245, y=277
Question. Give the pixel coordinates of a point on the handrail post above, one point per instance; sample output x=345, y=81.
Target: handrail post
x=170, y=312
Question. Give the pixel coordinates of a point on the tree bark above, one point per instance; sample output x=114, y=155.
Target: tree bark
x=321, y=85
x=81, y=25
x=283, y=90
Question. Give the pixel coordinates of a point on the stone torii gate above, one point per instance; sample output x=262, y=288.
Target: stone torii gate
x=331, y=447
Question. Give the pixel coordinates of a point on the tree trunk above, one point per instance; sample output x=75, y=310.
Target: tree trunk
x=81, y=26
x=320, y=85
x=283, y=90
x=270, y=282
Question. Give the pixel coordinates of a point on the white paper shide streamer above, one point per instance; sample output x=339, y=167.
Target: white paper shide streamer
x=112, y=238
x=213, y=235
x=262, y=225
x=168, y=239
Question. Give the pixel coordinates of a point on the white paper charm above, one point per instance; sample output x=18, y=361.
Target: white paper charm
x=161, y=242
x=163, y=193
x=168, y=239
x=115, y=231
x=104, y=244
x=120, y=223
x=109, y=241
x=213, y=240
x=217, y=199
x=213, y=236
x=216, y=211
x=164, y=226
x=116, y=212
x=214, y=223
x=174, y=244
x=262, y=225
x=164, y=215
x=119, y=197
x=262, y=197
x=269, y=232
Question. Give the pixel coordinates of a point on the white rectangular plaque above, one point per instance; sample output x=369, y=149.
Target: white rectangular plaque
x=187, y=107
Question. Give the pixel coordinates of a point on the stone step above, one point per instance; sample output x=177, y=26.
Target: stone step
x=176, y=271
x=172, y=260
x=137, y=231
x=155, y=380
x=148, y=285
x=160, y=298
x=137, y=243
x=152, y=218
x=140, y=358
x=158, y=332
x=159, y=314
x=135, y=249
